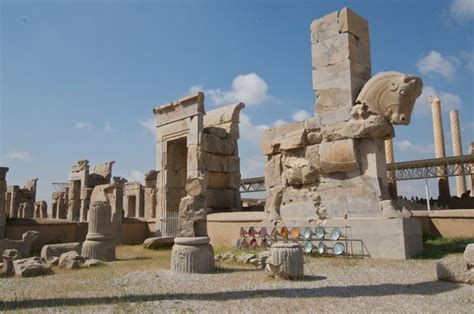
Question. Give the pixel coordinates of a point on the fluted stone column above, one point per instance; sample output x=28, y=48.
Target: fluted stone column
x=440, y=151
x=457, y=150
x=99, y=242
x=3, y=189
x=290, y=257
x=389, y=156
x=192, y=255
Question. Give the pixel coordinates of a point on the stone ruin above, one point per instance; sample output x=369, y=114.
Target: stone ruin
x=3, y=189
x=20, y=202
x=198, y=168
x=41, y=210
x=100, y=242
x=81, y=184
x=331, y=168
x=198, y=171
x=59, y=203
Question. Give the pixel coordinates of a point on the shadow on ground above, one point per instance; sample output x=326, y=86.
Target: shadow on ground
x=422, y=288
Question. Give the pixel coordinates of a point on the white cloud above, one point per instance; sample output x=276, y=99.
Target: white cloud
x=250, y=89
x=449, y=101
x=108, y=128
x=278, y=123
x=253, y=166
x=300, y=115
x=195, y=89
x=409, y=147
x=463, y=9
x=250, y=132
x=20, y=156
x=82, y=125
x=149, y=125
x=434, y=62
x=468, y=58
x=136, y=175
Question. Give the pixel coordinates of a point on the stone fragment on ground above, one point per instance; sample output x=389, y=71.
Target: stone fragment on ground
x=53, y=261
x=70, y=260
x=157, y=242
x=456, y=268
x=469, y=256
x=31, y=267
x=50, y=250
x=91, y=262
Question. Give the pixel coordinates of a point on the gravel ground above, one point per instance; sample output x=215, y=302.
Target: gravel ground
x=330, y=285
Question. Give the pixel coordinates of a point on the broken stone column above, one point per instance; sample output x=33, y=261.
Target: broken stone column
x=100, y=243
x=116, y=202
x=78, y=181
x=457, y=151
x=150, y=194
x=3, y=189
x=41, y=209
x=440, y=151
x=392, y=183
x=340, y=50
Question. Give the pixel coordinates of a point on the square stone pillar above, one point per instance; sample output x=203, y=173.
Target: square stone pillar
x=340, y=50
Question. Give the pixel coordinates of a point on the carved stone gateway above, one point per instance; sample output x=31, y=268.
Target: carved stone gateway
x=331, y=168
x=198, y=171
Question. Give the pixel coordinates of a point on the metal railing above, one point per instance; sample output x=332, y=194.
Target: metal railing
x=169, y=224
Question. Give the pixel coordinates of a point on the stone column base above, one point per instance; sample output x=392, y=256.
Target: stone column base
x=103, y=250
x=289, y=258
x=192, y=255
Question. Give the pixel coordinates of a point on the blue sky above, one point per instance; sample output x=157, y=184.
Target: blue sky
x=79, y=79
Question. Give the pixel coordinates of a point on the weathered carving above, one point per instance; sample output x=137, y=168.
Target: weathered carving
x=392, y=95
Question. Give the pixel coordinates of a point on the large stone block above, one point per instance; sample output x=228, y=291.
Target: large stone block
x=214, y=163
x=335, y=23
x=339, y=156
x=340, y=48
x=454, y=268
x=221, y=198
x=273, y=171
x=382, y=238
x=223, y=115
x=291, y=136
x=224, y=180
x=50, y=250
x=217, y=145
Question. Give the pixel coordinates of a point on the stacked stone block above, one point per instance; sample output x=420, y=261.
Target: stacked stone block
x=340, y=51
x=20, y=201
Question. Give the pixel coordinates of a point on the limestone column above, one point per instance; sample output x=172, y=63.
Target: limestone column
x=457, y=150
x=3, y=189
x=100, y=243
x=392, y=183
x=440, y=152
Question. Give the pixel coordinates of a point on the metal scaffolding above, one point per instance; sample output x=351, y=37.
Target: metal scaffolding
x=399, y=171
x=60, y=186
x=431, y=168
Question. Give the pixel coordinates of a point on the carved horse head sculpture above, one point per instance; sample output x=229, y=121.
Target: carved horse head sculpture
x=392, y=95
